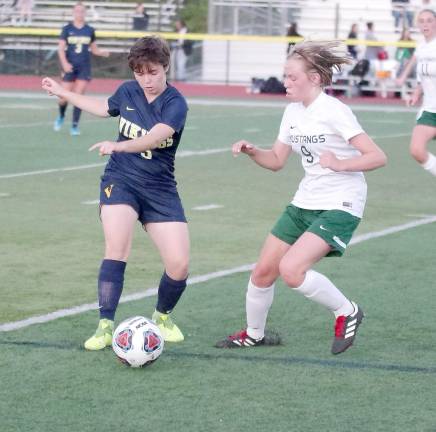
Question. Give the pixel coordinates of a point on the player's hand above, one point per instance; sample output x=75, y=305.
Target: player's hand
x=413, y=99
x=52, y=87
x=398, y=82
x=329, y=160
x=67, y=67
x=105, y=53
x=243, y=147
x=104, y=147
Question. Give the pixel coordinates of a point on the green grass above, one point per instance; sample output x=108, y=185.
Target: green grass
x=51, y=246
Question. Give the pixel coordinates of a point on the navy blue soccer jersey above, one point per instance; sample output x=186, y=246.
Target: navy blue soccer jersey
x=78, y=41
x=152, y=168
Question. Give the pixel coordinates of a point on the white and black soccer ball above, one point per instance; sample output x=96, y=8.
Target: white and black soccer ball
x=137, y=341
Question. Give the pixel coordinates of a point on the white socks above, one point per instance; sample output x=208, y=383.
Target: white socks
x=258, y=302
x=320, y=289
x=315, y=287
x=430, y=165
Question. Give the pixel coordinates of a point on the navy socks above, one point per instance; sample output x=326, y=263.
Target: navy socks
x=169, y=293
x=110, y=287
x=62, y=109
x=76, y=116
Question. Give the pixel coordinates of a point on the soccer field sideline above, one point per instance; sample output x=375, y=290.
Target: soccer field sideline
x=62, y=313
x=197, y=100
x=181, y=154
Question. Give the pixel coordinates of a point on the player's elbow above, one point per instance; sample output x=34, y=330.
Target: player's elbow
x=278, y=164
x=382, y=159
x=153, y=143
x=276, y=167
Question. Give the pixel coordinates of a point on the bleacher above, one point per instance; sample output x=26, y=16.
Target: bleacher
x=101, y=14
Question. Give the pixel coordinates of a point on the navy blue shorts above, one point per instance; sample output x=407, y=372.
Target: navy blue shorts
x=152, y=205
x=82, y=72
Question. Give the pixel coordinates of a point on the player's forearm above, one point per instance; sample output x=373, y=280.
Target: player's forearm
x=267, y=159
x=407, y=70
x=93, y=105
x=100, y=52
x=62, y=57
x=365, y=162
x=139, y=145
x=417, y=93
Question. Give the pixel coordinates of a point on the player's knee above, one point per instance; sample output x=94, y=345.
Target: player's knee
x=117, y=254
x=418, y=152
x=263, y=275
x=291, y=274
x=178, y=268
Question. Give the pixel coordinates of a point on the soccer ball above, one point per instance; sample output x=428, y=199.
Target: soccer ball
x=137, y=342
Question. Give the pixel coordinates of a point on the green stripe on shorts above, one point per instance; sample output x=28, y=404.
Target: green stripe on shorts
x=427, y=118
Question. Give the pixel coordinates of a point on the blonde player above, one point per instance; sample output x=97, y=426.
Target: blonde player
x=425, y=59
x=328, y=204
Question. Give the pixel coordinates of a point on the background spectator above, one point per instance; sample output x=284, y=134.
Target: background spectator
x=401, y=11
x=353, y=35
x=141, y=18
x=292, y=31
x=95, y=14
x=371, y=52
x=180, y=51
x=25, y=7
x=402, y=54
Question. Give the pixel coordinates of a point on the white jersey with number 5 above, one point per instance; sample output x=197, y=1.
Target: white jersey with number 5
x=426, y=71
x=326, y=124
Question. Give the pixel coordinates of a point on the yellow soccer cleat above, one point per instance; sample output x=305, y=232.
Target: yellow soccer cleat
x=102, y=337
x=170, y=332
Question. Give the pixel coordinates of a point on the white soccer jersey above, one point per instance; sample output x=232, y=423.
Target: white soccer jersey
x=426, y=70
x=326, y=124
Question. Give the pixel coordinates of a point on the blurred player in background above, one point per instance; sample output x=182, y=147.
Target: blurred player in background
x=425, y=59
x=330, y=200
x=139, y=184
x=77, y=41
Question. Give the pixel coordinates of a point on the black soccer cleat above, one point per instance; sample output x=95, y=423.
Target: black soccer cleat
x=346, y=330
x=242, y=340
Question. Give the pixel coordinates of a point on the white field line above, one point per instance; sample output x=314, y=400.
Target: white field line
x=284, y=102
x=15, y=325
x=207, y=207
x=224, y=102
x=397, y=135
x=23, y=95
x=392, y=230
x=124, y=299
x=49, y=171
x=34, y=124
x=26, y=106
x=384, y=121
x=181, y=154
x=188, y=153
